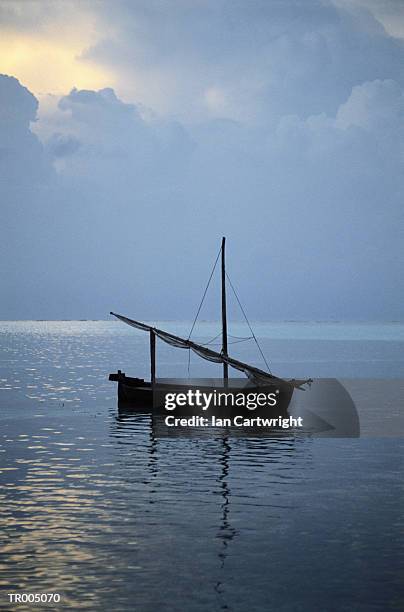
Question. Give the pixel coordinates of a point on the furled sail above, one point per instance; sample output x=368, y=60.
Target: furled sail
x=253, y=373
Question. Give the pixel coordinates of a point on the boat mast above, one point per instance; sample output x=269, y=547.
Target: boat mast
x=224, y=315
x=152, y=357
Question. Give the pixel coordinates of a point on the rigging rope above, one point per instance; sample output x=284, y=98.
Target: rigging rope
x=204, y=293
x=239, y=338
x=212, y=340
x=248, y=323
x=211, y=343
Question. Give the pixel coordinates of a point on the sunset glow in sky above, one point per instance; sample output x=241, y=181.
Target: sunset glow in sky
x=46, y=57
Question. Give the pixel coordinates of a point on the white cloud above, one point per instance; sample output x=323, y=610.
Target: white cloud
x=375, y=105
x=389, y=13
x=247, y=61
x=280, y=126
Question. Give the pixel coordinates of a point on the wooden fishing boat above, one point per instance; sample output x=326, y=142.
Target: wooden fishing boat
x=138, y=394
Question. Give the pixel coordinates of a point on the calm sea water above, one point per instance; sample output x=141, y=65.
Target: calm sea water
x=105, y=510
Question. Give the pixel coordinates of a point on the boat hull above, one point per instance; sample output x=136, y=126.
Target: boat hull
x=138, y=395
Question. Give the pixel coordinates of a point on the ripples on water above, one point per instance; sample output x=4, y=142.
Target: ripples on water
x=112, y=513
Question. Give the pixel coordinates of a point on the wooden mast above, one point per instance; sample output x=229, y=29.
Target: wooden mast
x=224, y=315
x=152, y=357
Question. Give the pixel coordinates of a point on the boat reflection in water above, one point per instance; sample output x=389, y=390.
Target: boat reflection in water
x=245, y=458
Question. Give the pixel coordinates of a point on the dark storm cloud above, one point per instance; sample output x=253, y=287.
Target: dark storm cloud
x=21, y=154
x=25, y=175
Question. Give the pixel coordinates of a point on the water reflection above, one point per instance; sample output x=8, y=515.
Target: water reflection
x=226, y=531
x=207, y=465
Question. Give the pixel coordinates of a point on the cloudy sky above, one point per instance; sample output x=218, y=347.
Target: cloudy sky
x=134, y=134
